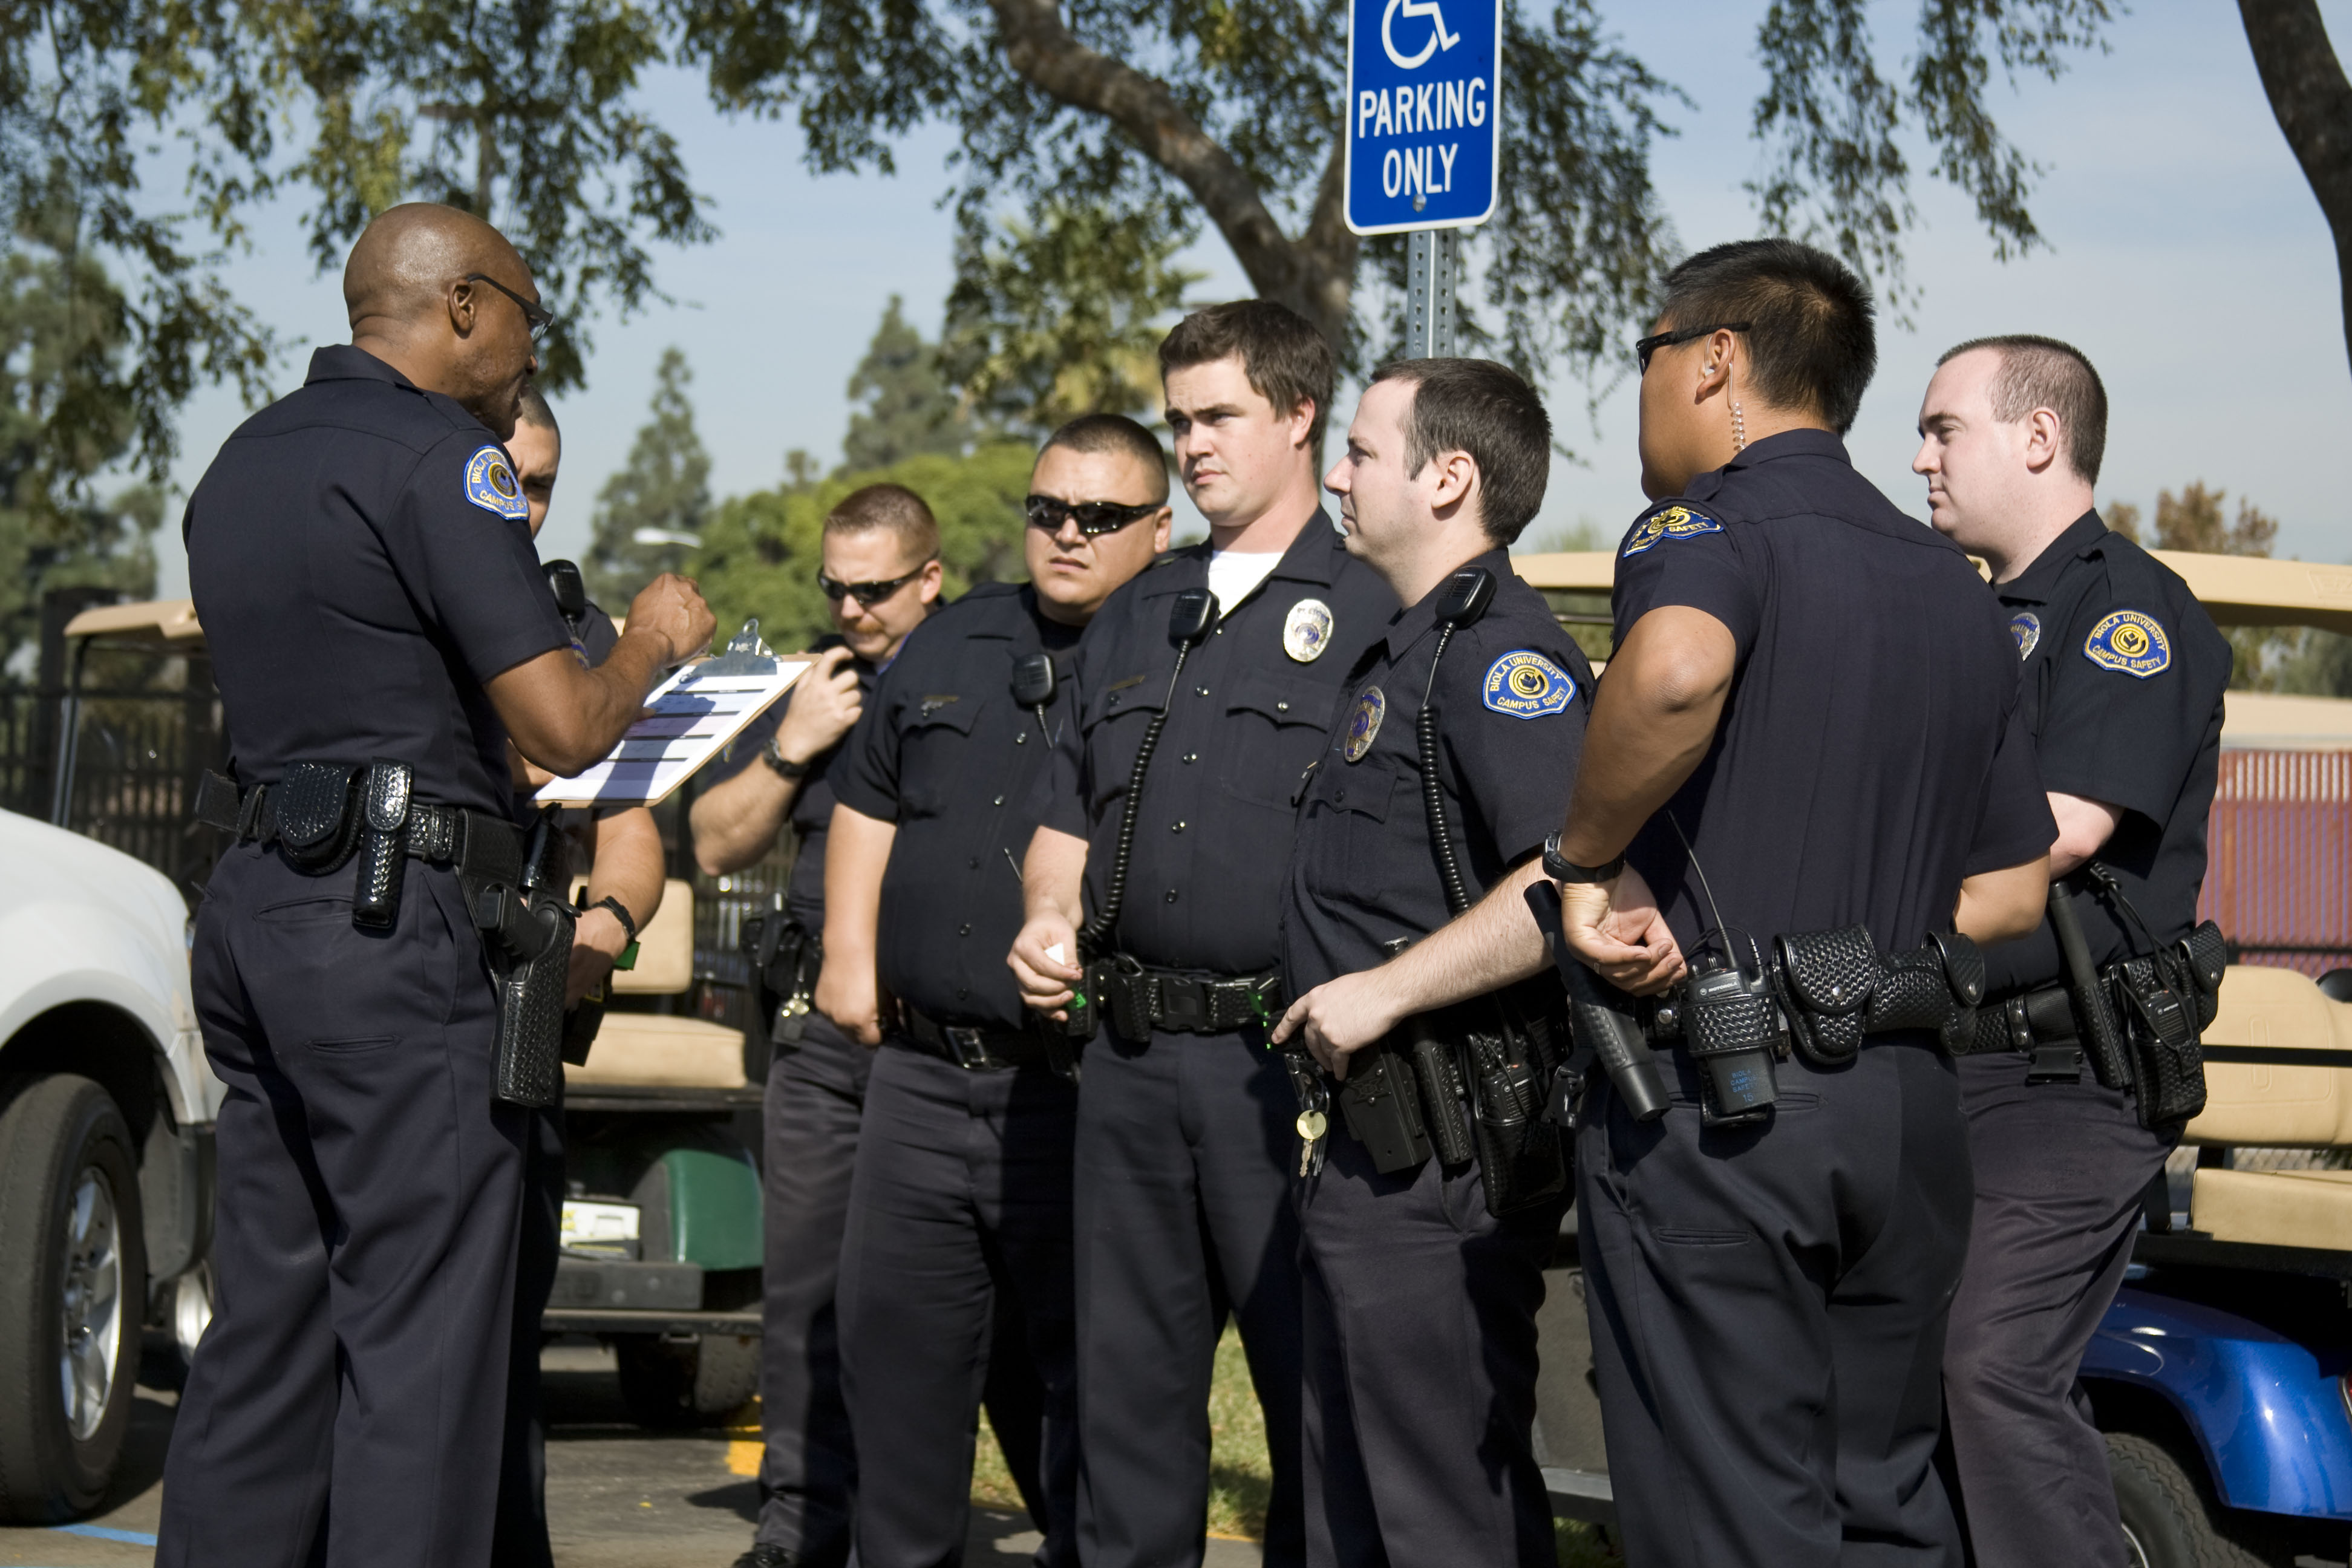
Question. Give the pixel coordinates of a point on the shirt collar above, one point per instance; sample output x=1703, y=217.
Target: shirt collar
x=2034, y=585
x=1419, y=619
x=1313, y=556
x=343, y=361
x=1801, y=443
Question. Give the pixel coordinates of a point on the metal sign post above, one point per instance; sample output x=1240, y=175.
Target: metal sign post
x=1424, y=141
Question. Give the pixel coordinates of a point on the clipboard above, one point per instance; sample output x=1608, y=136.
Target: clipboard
x=691, y=718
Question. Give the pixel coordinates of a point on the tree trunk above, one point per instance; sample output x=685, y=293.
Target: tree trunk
x=2313, y=102
x=1315, y=274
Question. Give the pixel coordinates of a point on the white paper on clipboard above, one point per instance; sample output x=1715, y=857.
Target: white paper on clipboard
x=694, y=714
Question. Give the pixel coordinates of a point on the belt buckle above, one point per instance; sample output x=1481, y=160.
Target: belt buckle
x=1183, y=1003
x=969, y=1050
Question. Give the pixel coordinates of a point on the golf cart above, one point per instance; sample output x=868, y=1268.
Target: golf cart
x=662, y=1224
x=2223, y=1375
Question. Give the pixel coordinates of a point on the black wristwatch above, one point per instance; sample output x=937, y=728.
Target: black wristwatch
x=1559, y=868
x=784, y=770
x=620, y=913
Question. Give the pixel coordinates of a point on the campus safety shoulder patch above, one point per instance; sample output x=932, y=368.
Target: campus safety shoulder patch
x=1669, y=523
x=490, y=485
x=2130, y=642
x=1524, y=684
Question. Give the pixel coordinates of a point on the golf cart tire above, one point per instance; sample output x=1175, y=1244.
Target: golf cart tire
x=2167, y=1517
x=669, y=1384
x=62, y=1139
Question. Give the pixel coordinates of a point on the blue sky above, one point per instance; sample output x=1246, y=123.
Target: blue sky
x=2186, y=257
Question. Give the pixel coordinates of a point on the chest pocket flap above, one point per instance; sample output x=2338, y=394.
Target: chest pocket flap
x=1142, y=693
x=942, y=710
x=1275, y=725
x=1281, y=702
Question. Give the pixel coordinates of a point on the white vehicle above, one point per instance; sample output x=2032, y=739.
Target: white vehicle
x=106, y=1164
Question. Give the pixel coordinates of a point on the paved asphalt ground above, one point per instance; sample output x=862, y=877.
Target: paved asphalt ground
x=618, y=1497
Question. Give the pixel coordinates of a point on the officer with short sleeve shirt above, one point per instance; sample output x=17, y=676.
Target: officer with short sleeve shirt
x=1421, y=1302
x=1807, y=741
x=880, y=574
x=1184, y=1210
x=358, y=558
x=2123, y=674
x=962, y=1186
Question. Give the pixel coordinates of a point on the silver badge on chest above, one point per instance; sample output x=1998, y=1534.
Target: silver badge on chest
x=1306, y=631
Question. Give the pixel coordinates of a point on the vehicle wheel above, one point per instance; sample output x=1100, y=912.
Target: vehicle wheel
x=73, y=1282
x=672, y=1383
x=2169, y=1523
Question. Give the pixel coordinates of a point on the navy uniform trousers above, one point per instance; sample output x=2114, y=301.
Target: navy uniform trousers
x=961, y=1197
x=347, y=1404
x=2060, y=1171
x=520, y=1538
x=808, y=1468
x=1421, y=1367
x=1767, y=1309
x=1186, y=1150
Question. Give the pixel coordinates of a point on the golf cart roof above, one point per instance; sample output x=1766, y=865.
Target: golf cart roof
x=166, y=623
x=2236, y=590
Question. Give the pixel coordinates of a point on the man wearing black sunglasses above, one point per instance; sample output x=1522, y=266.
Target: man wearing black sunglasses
x=959, y=1206
x=880, y=573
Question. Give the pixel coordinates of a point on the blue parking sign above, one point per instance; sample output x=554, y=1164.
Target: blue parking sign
x=1424, y=113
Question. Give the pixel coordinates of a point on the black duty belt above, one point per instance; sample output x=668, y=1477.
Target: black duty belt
x=2039, y=1024
x=477, y=843
x=1142, y=999
x=976, y=1048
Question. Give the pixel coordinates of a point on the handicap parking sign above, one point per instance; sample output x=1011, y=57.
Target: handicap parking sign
x=1424, y=113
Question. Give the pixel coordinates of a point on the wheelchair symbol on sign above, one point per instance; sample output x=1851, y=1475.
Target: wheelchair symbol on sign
x=1439, y=39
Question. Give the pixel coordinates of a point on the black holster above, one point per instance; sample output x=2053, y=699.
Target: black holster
x=785, y=957
x=382, y=853
x=527, y=935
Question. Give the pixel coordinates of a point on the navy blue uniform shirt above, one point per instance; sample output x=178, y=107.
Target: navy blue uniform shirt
x=811, y=810
x=1220, y=806
x=2123, y=675
x=1508, y=708
x=942, y=751
x=359, y=560
x=1873, y=750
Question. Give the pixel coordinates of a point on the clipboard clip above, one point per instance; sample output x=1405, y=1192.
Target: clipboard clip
x=745, y=655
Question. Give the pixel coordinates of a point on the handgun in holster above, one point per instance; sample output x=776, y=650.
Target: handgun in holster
x=527, y=933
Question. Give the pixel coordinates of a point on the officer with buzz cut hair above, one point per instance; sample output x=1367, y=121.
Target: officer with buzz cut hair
x=1806, y=793
x=961, y=1195
x=1206, y=683
x=380, y=629
x=2123, y=674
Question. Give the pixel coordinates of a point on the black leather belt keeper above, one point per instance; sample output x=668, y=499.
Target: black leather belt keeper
x=973, y=1048
x=1141, y=999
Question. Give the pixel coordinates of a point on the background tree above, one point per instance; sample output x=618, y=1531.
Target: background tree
x=908, y=407
x=650, y=514
x=2196, y=520
x=760, y=552
x=1169, y=113
x=68, y=411
x=1062, y=317
x=2313, y=104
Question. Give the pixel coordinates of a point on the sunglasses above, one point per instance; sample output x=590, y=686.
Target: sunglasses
x=537, y=317
x=867, y=594
x=1645, y=347
x=1095, y=517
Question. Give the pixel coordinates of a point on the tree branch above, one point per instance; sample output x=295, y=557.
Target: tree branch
x=2313, y=103
x=1040, y=48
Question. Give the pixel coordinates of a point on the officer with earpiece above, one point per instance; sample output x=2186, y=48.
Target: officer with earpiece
x=1434, y=1187
x=1807, y=781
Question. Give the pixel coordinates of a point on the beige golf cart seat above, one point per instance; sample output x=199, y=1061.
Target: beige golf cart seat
x=656, y=1050
x=2257, y=1104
